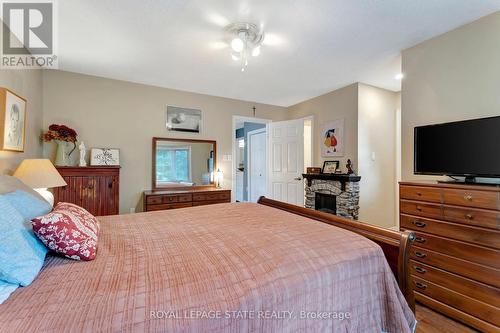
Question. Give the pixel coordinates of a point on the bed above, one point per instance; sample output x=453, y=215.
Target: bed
x=238, y=267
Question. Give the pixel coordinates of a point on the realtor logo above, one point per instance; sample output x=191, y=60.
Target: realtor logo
x=28, y=34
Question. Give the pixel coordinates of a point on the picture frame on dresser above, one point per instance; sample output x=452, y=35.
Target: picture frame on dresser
x=105, y=157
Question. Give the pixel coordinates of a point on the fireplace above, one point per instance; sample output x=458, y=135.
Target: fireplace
x=325, y=202
x=333, y=193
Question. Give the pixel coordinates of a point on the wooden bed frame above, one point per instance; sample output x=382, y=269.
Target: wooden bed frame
x=396, y=245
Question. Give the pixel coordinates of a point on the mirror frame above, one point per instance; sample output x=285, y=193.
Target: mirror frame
x=175, y=187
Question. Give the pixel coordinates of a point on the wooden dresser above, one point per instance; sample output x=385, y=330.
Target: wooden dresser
x=160, y=200
x=455, y=259
x=94, y=188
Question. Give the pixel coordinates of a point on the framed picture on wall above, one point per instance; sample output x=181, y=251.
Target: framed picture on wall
x=104, y=156
x=332, y=138
x=183, y=119
x=12, y=120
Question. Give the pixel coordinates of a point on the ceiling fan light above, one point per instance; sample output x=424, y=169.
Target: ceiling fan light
x=256, y=51
x=237, y=45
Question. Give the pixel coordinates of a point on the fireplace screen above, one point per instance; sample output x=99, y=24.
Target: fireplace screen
x=326, y=203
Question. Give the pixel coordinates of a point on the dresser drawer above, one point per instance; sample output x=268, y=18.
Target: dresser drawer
x=168, y=206
x=421, y=209
x=459, y=301
x=479, y=236
x=470, y=216
x=185, y=198
x=211, y=196
x=478, y=199
x=477, y=290
x=474, y=271
x=170, y=199
x=465, y=251
x=420, y=193
x=153, y=200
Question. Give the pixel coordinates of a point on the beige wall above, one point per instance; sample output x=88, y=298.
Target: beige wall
x=452, y=77
x=377, y=154
x=338, y=104
x=118, y=114
x=28, y=84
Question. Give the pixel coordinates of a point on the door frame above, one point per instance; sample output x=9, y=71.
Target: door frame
x=249, y=179
x=237, y=119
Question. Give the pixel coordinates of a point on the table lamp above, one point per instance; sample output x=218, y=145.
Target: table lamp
x=218, y=178
x=40, y=174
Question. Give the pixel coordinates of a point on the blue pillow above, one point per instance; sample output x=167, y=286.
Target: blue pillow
x=6, y=289
x=21, y=253
x=27, y=204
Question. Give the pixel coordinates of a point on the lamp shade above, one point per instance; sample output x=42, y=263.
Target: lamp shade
x=39, y=173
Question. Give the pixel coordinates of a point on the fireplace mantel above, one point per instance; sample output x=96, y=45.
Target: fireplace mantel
x=341, y=177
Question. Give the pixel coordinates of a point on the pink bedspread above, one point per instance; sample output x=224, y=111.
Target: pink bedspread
x=221, y=268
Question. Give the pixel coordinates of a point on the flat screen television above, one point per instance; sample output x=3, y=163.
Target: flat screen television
x=469, y=148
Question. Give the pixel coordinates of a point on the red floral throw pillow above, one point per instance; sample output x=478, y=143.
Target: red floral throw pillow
x=68, y=230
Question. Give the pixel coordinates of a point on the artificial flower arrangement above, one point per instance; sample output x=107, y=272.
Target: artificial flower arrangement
x=60, y=134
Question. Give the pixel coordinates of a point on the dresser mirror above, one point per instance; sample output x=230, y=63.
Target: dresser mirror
x=179, y=163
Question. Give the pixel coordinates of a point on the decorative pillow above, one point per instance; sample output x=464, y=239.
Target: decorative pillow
x=21, y=253
x=68, y=230
x=27, y=204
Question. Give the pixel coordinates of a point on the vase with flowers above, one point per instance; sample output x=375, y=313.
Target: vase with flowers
x=61, y=135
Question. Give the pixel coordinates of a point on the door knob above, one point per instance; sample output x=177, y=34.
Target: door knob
x=298, y=178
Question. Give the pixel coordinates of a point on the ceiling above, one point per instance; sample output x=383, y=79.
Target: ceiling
x=311, y=47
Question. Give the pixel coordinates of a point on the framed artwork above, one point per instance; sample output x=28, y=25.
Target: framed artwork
x=332, y=138
x=12, y=120
x=330, y=166
x=104, y=156
x=183, y=119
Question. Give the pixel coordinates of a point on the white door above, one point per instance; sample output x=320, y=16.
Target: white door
x=256, y=164
x=286, y=161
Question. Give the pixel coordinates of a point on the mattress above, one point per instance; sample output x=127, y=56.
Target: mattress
x=238, y=267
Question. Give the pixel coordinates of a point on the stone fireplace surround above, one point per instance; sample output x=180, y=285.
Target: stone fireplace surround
x=344, y=187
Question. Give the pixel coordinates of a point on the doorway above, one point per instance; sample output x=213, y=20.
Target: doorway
x=270, y=158
x=256, y=154
x=250, y=156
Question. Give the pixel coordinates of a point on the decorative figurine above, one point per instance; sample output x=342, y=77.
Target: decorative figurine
x=83, y=163
x=350, y=171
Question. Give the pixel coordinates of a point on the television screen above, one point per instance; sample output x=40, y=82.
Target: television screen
x=464, y=148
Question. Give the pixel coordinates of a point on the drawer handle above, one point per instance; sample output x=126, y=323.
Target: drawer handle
x=420, y=254
x=419, y=194
x=421, y=285
x=469, y=216
x=419, y=224
x=419, y=208
x=420, y=270
x=420, y=239
x=468, y=197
